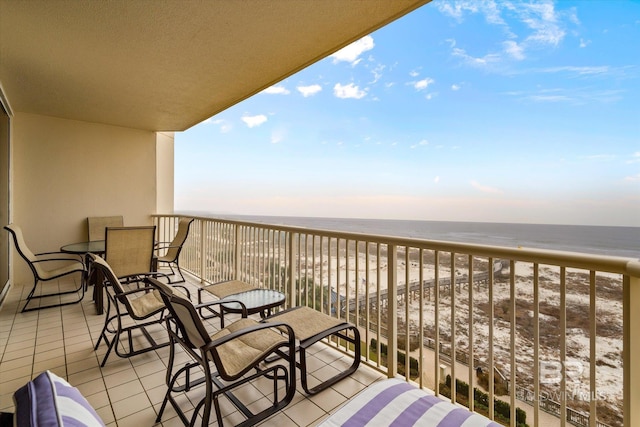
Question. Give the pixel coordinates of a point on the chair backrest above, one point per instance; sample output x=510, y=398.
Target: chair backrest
x=129, y=250
x=185, y=315
x=23, y=249
x=109, y=275
x=181, y=236
x=96, y=225
x=21, y=246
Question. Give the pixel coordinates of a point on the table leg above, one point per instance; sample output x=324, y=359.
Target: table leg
x=97, y=280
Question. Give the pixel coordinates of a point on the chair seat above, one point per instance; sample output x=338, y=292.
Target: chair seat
x=224, y=289
x=60, y=271
x=246, y=350
x=145, y=305
x=307, y=322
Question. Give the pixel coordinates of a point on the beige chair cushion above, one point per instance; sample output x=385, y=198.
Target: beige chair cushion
x=224, y=289
x=307, y=322
x=146, y=304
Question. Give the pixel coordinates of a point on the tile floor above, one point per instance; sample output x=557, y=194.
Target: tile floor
x=129, y=392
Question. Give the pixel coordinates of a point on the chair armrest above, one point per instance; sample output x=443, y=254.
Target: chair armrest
x=153, y=275
x=244, y=313
x=58, y=256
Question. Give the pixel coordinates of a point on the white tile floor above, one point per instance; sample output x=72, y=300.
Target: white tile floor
x=129, y=392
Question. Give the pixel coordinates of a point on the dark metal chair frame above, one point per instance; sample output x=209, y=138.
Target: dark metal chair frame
x=44, y=257
x=181, y=380
x=118, y=299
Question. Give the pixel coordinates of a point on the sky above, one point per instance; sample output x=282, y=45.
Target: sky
x=486, y=111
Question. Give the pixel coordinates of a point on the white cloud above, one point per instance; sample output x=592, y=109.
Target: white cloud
x=377, y=73
x=352, y=52
x=277, y=90
x=224, y=125
x=414, y=73
x=585, y=70
x=253, y=121
x=514, y=50
x=543, y=20
x=488, y=59
x=436, y=179
x=484, y=188
x=348, y=91
x=603, y=157
x=310, y=90
x=423, y=142
x=423, y=84
x=584, y=43
x=278, y=136
x=635, y=157
x=633, y=178
x=455, y=87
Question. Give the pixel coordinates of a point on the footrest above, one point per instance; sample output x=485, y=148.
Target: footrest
x=311, y=326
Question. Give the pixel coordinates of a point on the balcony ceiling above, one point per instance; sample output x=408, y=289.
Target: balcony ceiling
x=168, y=65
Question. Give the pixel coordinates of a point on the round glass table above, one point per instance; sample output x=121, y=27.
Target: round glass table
x=255, y=300
x=96, y=247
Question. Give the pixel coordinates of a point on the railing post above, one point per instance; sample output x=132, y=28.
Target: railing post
x=291, y=269
x=238, y=245
x=631, y=346
x=392, y=311
x=203, y=257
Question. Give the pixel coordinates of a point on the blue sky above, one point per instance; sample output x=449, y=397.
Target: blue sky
x=462, y=111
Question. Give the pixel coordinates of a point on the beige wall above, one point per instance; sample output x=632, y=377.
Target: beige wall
x=64, y=171
x=164, y=172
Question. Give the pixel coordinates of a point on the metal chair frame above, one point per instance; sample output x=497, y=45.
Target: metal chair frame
x=36, y=260
x=118, y=299
x=173, y=248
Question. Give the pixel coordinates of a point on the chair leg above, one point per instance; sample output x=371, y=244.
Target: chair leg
x=32, y=296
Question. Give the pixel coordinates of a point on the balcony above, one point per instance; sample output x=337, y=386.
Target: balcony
x=533, y=314
x=538, y=317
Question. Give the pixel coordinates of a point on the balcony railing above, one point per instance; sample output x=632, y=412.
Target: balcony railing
x=545, y=331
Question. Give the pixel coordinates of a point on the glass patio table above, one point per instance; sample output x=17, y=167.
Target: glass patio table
x=256, y=301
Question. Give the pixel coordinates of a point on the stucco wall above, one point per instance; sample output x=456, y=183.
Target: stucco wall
x=64, y=171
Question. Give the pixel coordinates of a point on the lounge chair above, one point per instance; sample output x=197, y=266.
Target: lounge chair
x=59, y=264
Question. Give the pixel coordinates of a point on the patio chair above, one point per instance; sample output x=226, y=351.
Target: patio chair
x=144, y=305
x=96, y=225
x=129, y=252
x=233, y=351
x=59, y=264
x=172, y=249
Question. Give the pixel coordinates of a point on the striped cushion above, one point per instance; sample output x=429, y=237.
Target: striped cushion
x=396, y=403
x=48, y=400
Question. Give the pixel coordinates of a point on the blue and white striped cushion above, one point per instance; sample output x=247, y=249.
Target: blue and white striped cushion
x=50, y=401
x=396, y=403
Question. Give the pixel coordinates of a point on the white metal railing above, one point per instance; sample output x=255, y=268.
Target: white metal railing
x=532, y=320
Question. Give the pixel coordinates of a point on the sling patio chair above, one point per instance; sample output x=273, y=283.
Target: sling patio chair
x=59, y=264
x=226, y=358
x=96, y=225
x=172, y=249
x=143, y=305
x=130, y=252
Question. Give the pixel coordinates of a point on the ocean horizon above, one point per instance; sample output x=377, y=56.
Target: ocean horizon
x=621, y=241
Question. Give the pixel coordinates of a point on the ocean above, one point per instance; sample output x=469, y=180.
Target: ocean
x=600, y=240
